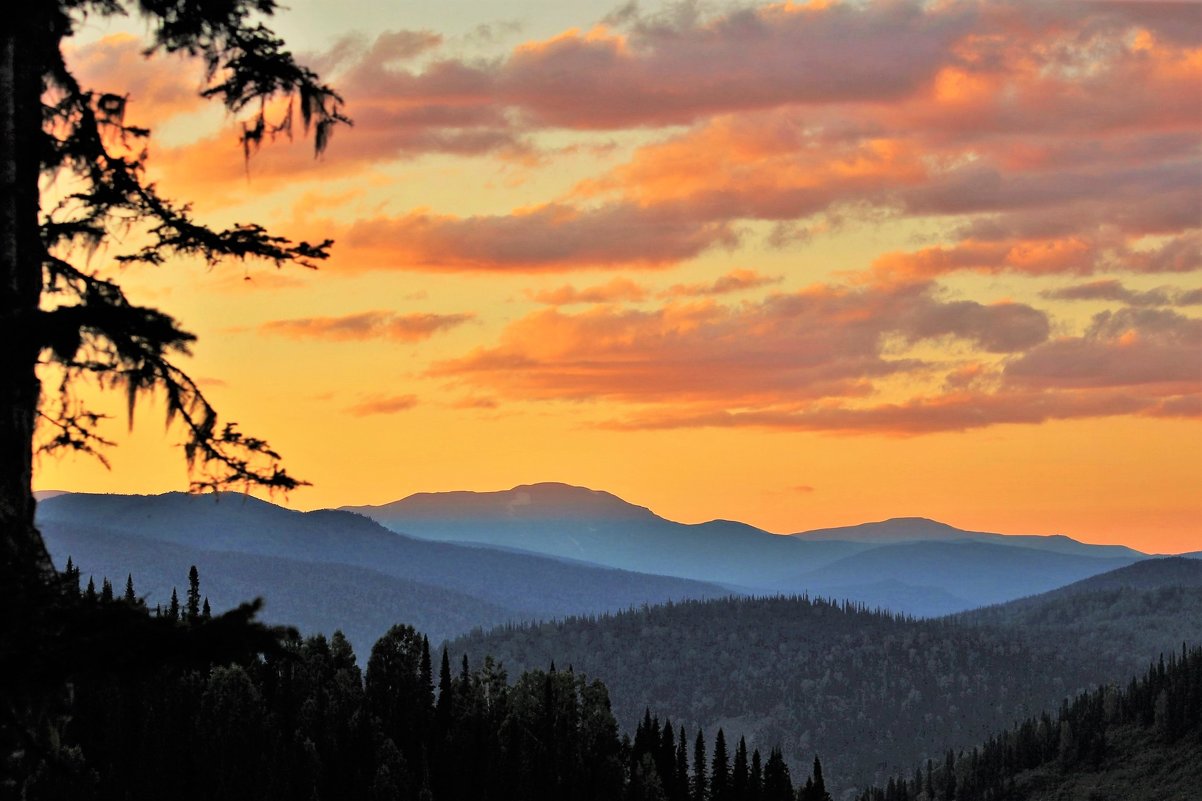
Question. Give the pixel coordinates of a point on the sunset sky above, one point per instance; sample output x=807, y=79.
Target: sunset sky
x=799, y=265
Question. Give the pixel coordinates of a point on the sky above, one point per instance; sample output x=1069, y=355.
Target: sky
x=799, y=265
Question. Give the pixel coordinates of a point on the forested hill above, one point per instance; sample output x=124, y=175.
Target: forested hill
x=873, y=691
x=1139, y=743
x=1123, y=618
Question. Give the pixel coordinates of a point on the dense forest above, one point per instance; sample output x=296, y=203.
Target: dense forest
x=813, y=675
x=1141, y=742
x=303, y=721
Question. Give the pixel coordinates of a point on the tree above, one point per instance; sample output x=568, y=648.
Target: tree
x=59, y=319
x=192, y=608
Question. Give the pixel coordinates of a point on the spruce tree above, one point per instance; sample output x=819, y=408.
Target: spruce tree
x=205, y=612
x=106, y=591
x=720, y=770
x=755, y=778
x=738, y=776
x=778, y=786
x=90, y=593
x=699, y=786
x=173, y=610
x=192, y=611
x=130, y=597
x=681, y=777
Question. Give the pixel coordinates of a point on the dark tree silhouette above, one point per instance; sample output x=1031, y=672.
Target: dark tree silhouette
x=56, y=315
x=65, y=323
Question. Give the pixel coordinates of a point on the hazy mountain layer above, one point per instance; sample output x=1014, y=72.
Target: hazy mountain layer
x=488, y=581
x=927, y=573
x=313, y=596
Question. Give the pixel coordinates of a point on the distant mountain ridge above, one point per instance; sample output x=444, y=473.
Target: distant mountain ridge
x=912, y=565
x=479, y=586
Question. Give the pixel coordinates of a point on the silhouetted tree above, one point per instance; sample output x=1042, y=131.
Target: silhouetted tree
x=700, y=785
x=192, y=607
x=720, y=789
x=51, y=126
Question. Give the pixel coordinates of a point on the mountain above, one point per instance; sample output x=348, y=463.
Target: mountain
x=597, y=527
x=873, y=563
x=313, y=596
x=516, y=585
x=977, y=572
x=920, y=529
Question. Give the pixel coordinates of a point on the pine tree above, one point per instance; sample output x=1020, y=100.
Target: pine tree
x=778, y=786
x=130, y=597
x=720, y=770
x=738, y=778
x=205, y=612
x=755, y=778
x=90, y=592
x=192, y=611
x=106, y=591
x=681, y=778
x=700, y=790
x=173, y=610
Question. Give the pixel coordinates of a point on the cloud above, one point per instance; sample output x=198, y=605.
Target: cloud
x=822, y=342
x=545, y=238
x=619, y=289
x=385, y=405
x=366, y=325
x=1113, y=289
x=929, y=415
x=1121, y=348
x=734, y=281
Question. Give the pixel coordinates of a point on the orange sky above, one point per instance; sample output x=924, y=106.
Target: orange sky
x=798, y=265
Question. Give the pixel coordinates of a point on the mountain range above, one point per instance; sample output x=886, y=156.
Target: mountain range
x=910, y=565
x=450, y=562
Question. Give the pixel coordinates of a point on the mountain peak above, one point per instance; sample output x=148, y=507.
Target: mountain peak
x=895, y=529
x=550, y=500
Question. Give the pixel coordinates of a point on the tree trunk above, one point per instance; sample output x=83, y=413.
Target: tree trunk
x=25, y=564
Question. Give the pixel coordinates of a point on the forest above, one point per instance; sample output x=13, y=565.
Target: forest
x=298, y=718
x=810, y=674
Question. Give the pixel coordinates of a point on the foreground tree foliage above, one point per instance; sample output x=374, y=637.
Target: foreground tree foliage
x=304, y=722
x=65, y=321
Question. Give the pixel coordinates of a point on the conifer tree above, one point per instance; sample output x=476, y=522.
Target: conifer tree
x=738, y=776
x=106, y=590
x=720, y=770
x=192, y=610
x=205, y=612
x=778, y=786
x=90, y=592
x=755, y=778
x=699, y=786
x=682, y=767
x=130, y=597
x=173, y=609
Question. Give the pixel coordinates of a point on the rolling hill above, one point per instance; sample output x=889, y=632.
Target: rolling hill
x=874, y=689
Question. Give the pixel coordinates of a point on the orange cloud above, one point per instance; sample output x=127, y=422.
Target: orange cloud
x=366, y=325
x=734, y=281
x=545, y=238
x=823, y=342
x=618, y=289
x=388, y=405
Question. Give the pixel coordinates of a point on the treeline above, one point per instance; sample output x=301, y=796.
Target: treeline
x=305, y=722
x=1165, y=705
